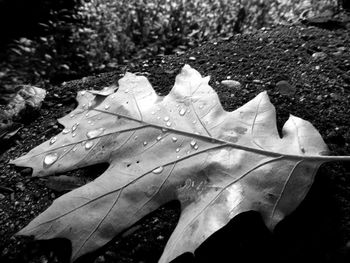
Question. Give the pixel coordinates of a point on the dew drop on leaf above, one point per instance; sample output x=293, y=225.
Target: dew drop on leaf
x=74, y=134
x=174, y=139
x=72, y=115
x=87, y=115
x=159, y=137
x=126, y=91
x=168, y=123
x=182, y=112
x=50, y=159
x=164, y=130
x=158, y=170
x=107, y=107
x=53, y=140
x=83, y=92
x=75, y=126
x=193, y=143
x=177, y=150
x=75, y=148
x=65, y=131
x=194, y=122
x=94, y=133
x=88, y=145
x=166, y=118
x=152, y=112
x=145, y=143
x=195, y=147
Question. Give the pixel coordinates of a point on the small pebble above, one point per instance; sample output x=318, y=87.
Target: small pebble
x=285, y=88
x=319, y=55
x=231, y=83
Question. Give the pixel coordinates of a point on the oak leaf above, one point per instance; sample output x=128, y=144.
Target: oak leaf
x=183, y=146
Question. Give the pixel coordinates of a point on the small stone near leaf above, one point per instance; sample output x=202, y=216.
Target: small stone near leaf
x=319, y=55
x=285, y=88
x=231, y=83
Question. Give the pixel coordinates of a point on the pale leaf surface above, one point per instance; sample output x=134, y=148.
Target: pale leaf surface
x=183, y=146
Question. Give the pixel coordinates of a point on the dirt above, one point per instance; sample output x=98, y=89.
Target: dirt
x=315, y=88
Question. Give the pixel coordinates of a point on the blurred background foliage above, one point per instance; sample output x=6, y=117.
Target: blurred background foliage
x=54, y=41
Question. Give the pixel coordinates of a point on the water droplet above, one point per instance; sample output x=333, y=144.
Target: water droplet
x=189, y=111
x=135, y=138
x=159, y=137
x=87, y=115
x=83, y=92
x=193, y=143
x=145, y=143
x=84, y=105
x=158, y=170
x=90, y=104
x=174, y=139
x=194, y=122
x=88, y=145
x=166, y=118
x=75, y=126
x=177, y=105
x=50, y=159
x=195, y=147
x=99, y=118
x=182, y=111
x=168, y=123
x=188, y=152
x=178, y=157
x=53, y=140
x=89, y=122
x=94, y=133
x=83, y=143
x=126, y=91
x=74, y=134
x=201, y=106
x=152, y=112
x=75, y=148
x=65, y=131
x=158, y=118
x=177, y=150
x=72, y=115
x=164, y=130
x=107, y=107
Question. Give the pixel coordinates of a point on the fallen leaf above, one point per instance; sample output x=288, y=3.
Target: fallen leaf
x=183, y=146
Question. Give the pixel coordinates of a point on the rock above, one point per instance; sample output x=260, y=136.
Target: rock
x=27, y=97
x=285, y=88
x=319, y=55
x=231, y=83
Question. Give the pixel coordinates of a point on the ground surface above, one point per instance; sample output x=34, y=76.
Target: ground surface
x=319, y=91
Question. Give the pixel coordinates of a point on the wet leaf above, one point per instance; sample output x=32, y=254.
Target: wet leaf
x=182, y=146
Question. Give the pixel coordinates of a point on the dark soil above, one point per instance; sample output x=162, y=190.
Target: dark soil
x=319, y=91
